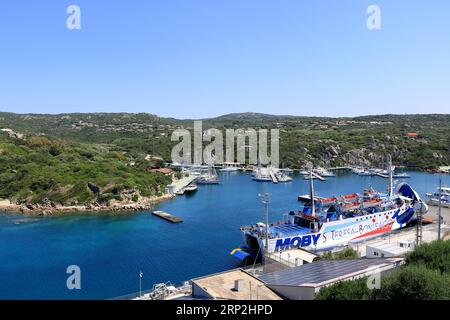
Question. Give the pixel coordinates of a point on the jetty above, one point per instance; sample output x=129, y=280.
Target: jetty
x=178, y=187
x=272, y=175
x=167, y=216
x=381, y=175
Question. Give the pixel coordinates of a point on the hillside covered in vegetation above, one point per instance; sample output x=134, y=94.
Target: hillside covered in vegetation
x=416, y=141
x=55, y=158
x=38, y=170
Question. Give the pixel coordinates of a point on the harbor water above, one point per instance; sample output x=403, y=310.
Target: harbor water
x=111, y=249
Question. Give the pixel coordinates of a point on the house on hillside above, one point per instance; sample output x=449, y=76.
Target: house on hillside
x=411, y=135
x=165, y=171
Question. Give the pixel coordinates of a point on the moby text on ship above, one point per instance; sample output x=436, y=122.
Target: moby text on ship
x=326, y=223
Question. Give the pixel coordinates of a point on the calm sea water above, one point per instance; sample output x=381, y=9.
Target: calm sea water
x=111, y=248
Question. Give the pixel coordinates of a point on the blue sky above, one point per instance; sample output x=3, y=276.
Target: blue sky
x=202, y=58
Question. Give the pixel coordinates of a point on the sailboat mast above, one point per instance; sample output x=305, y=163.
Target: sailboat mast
x=391, y=179
x=311, y=193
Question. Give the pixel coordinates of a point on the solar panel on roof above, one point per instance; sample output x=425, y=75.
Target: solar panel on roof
x=318, y=272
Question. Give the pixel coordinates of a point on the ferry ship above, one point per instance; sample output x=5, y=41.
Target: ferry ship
x=326, y=223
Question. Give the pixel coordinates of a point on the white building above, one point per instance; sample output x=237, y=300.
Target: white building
x=388, y=250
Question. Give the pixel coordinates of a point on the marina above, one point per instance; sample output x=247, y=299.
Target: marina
x=118, y=245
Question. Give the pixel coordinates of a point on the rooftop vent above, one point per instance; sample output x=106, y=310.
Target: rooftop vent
x=238, y=285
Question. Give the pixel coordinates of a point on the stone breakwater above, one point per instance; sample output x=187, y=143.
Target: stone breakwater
x=50, y=208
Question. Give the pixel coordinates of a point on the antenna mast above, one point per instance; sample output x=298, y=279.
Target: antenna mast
x=391, y=180
x=265, y=198
x=311, y=193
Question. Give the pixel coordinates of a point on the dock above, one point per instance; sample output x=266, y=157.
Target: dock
x=167, y=216
x=381, y=175
x=273, y=176
x=177, y=187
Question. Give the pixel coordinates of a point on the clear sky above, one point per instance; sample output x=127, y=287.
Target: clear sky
x=202, y=58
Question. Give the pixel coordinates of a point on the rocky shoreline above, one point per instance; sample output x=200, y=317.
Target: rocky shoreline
x=49, y=209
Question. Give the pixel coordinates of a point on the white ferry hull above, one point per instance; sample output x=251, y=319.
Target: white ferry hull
x=338, y=233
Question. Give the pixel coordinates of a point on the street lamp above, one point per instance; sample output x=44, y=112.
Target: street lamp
x=140, y=283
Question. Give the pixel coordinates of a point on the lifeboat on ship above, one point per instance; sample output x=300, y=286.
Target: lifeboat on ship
x=372, y=203
x=350, y=206
x=328, y=201
x=349, y=197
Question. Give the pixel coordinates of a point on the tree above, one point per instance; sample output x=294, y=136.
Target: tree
x=434, y=255
x=346, y=290
x=346, y=254
x=414, y=282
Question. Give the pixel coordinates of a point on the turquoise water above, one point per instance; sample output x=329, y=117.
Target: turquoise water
x=111, y=248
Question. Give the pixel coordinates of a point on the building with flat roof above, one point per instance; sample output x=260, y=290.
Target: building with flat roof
x=231, y=285
x=303, y=282
x=382, y=249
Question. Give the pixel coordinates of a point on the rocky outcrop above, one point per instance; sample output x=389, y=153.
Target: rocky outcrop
x=12, y=134
x=49, y=208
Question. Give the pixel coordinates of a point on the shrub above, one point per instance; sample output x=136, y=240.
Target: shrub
x=434, y=255
x=414, y=282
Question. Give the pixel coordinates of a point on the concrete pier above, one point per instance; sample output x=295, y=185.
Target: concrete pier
x=177, y=187
x=167, y=216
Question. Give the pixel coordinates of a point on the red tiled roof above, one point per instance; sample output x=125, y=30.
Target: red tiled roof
x=162, y=170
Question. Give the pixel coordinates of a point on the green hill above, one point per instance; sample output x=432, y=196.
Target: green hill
x=63, y=153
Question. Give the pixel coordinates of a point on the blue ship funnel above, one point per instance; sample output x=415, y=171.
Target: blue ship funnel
x=407, y=191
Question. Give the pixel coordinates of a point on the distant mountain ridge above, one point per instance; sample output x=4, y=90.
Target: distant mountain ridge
x=228, y=116
x=304, y=140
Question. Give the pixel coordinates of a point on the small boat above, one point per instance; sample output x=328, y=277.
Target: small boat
x=191, y=171
x=357, y=170
x=230, y=167
x=209, y=177
x=191, y=188
x=261, y=174
x=282, y=177
x=372, y=203
x=350, y=206
x=262, y=178
x=349, y=197
x=324, y=173
x=328, y=201
x=401, y=175
x=206, y=180
x=444, y=193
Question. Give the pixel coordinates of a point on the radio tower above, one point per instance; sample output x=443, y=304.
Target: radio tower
x=265, y=199
x=419, y=225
